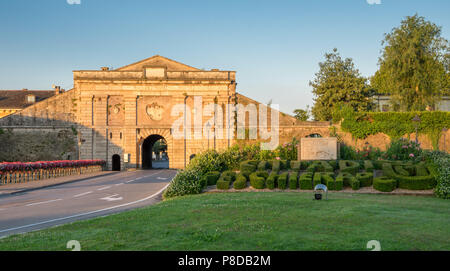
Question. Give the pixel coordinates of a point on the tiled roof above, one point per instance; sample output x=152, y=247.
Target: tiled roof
x=17, y=99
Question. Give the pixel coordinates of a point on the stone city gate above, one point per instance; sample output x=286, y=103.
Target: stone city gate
x=119, y=114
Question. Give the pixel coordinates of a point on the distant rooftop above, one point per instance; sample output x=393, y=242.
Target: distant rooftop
x=19, y=99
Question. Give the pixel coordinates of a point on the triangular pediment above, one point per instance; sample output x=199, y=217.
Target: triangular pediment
x=158, y=61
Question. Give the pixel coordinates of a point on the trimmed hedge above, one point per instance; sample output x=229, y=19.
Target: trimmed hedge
x=223, y=184
x=333, y=163
x=241, y=182
x=355, y=184
x=317, y=179
x=410, y=182
x=306, y=181
x=263, y=165
x=282, y=180
x=401, y=171
x=271, y=180
x=293, y=182
x=320, y=166
x=346, y=178
x=258, y=179
x=211, y=177
x=384, y=184
x=296, y=166
x=248, y=167
x=368, y=166
x=276, y=165
x=349, y=166
x=365, y=179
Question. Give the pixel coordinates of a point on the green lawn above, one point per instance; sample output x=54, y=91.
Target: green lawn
x=259, y=221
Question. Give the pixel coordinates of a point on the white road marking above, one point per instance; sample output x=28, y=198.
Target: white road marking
x=103, y=188
x=88, y=213
x=112, y=198
x=42, y=202
x=82, y=194
x=119, y=184
x=130, y=181
x=161, y=178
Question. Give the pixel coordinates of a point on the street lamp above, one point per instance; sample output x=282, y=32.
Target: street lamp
x=444, y=130
x=417, y=120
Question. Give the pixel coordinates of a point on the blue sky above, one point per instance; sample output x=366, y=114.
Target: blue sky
x=274, y=46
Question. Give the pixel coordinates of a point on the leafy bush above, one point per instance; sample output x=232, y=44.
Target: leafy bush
x=393, y=124
x=282, y=180
x=384, y=184
x=306, y=181
x=440, y=168
x=293, y=182
x=228, y=175
x=347, y=152
x=287, y=151
x=365, y=179
x=186, y=182
x=207, y=161
x=403, y=149
x=349, y=166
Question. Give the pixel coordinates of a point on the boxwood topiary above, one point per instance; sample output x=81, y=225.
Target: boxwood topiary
x=349, y=166
x=282, y=180
x=296, y=166
x=368, y=166
x=306, y=181
x=410, y=182
x=320, y=166
x=346, y=179
x=355, y=184
x=276, y=165
x=263, y=165
x=271, y=180
x=293, y=182
x=247, y=167
x=365, y=179
x=211, y=177
x=384, y=184
x=241, y=182
x=258, y=179
x=223, y=185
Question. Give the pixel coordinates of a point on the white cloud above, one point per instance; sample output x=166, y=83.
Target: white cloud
x=374, y=2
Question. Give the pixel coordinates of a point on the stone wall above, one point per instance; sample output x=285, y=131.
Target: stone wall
x=38, y=144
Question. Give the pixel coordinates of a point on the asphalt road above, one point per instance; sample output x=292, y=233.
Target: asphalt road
x=98, y=196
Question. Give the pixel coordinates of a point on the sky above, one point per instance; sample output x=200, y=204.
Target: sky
x=274, y=46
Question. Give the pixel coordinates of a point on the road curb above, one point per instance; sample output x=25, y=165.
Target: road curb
x=55, y=184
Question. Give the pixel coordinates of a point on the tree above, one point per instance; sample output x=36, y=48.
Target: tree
x=338, y=81
x=301, y=114
x=413, y=67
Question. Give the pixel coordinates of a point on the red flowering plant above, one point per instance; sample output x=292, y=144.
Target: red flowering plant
x=26, y=166
x=403, y=149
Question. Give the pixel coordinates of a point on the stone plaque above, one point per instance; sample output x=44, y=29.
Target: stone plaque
x=325, y=148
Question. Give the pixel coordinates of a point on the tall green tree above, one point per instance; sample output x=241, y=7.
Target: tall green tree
x=338, y=81
x=413, y=67
x=302, y=114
